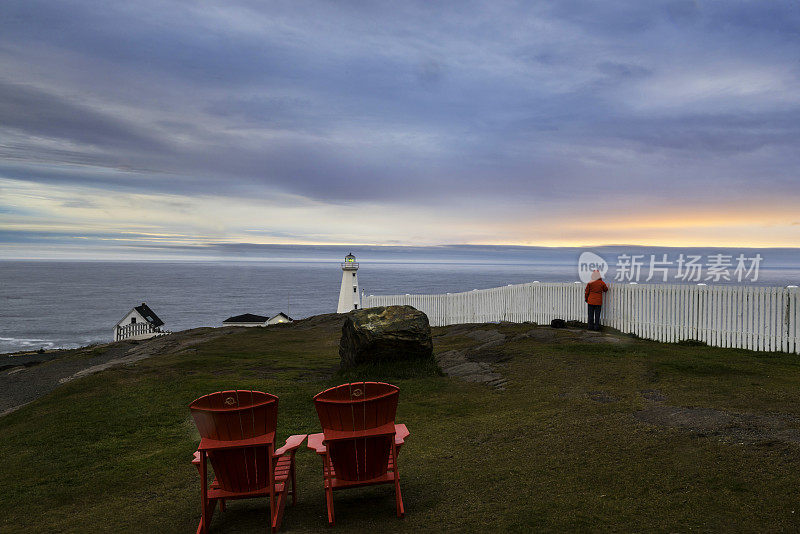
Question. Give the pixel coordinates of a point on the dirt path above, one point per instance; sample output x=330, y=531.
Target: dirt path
x=25, y=378
x=727, y=426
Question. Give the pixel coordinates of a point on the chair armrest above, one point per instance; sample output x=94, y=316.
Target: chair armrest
x=400, y=434
x=315, y=443
x=196, y=461
x=291, y=444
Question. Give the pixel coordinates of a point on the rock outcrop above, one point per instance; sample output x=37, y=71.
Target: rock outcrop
x=388, y=333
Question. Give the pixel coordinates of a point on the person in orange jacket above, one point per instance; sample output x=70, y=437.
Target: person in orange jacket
x=594, y=298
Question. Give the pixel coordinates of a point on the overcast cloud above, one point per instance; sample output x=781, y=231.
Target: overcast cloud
x=413, y=123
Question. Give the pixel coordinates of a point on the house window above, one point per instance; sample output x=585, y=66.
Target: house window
x=133, y=320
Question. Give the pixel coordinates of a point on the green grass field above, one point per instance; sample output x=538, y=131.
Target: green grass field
x=634, y=436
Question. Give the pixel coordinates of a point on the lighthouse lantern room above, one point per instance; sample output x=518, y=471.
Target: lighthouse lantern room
x=349, y=297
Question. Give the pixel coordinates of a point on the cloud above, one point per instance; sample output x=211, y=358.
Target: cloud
x=40, y=114
x=473, y=118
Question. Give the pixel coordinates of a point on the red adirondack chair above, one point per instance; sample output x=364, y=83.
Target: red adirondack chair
x=359, y=442
x=237, y=431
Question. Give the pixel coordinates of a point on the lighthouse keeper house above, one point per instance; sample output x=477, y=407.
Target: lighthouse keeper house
x=279, y=318
x=139, y=323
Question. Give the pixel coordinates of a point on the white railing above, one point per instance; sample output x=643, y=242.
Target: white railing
x=136, y=329
x=748, y=317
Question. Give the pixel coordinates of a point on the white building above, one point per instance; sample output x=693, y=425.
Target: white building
x=139, y=323
x=279, y=318
x=349, y=298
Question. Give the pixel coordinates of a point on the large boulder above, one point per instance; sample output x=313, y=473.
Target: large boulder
x=388, y=333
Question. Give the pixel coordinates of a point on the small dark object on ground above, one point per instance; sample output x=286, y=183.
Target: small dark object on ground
x=576, y=324
x=383, y=334
x=40, y=351
x=558, y=323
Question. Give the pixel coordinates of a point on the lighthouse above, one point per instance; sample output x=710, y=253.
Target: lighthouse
x=348, y=295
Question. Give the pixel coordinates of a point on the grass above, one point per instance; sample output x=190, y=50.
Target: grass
x=559, y=450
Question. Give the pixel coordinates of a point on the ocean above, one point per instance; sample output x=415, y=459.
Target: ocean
x=66, y=304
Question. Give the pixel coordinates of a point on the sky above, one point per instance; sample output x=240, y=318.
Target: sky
x=150, y=128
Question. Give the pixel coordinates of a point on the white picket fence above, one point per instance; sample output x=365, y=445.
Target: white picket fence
x=748, y=317
x=137, y=331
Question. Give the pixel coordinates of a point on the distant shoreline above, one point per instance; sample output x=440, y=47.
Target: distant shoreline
x=247, y=253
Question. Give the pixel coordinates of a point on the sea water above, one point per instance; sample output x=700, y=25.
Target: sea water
x=65, y=304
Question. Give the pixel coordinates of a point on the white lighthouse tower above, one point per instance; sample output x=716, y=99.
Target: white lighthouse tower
x=349, y=298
